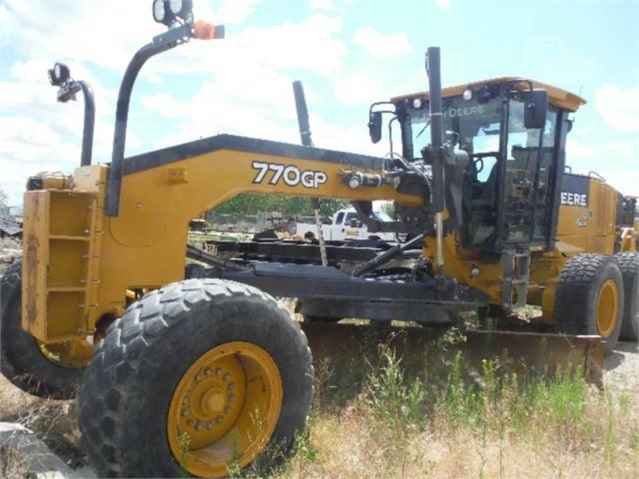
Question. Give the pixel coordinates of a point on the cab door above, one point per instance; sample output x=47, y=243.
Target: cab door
x=528, y=173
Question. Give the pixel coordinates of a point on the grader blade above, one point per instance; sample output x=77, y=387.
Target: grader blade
x=524, y=354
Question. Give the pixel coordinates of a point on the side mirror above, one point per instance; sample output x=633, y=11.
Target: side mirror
x=535, y=108
x=375, y=126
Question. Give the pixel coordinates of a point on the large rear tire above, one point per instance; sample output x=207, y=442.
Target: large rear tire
x=629, y=266
x=51, y=371
x=589, y=298
x=202, y=377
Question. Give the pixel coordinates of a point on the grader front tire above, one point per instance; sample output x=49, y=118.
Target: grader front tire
x=201, y=377
x=50, y=371
x=589, y=298
x=629, y=266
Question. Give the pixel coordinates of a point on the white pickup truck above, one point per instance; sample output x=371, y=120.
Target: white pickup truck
x=344, y=225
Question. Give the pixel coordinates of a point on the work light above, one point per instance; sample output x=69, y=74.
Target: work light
x=169, y=11
x=181, y=8
x=58, y=74
x=159, y=11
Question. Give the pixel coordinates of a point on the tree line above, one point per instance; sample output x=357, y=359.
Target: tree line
x=251, y=204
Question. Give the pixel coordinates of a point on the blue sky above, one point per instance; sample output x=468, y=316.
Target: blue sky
x=348, y=53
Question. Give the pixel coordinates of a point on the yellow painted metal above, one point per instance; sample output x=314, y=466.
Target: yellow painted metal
x=628, y=239
x=55, y=180
x=607, y=308
x=590, y=228
x=145, y=244
x=58, y=244
x=459, y=262
x=556, y=96
x=68, y=354
x=224, y=410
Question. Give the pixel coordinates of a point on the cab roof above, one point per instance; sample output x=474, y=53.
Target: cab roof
x=556, y=96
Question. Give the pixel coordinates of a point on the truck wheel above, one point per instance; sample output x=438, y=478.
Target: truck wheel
x=629, y=266
x=202, y=377
x=589, y=298
x=52, y=370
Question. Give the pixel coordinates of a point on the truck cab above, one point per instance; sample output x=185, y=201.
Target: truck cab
x=346, y=225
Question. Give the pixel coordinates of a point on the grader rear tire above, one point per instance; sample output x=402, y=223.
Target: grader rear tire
x=201, y=378
x=52, y=371
x=589, y=298
x=629, y=266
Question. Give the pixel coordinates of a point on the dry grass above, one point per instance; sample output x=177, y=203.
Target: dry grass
x=12, y=463
x=538, y=428
x=348, y=445
x=55, y=422
x=455, y=454
x=393, y=426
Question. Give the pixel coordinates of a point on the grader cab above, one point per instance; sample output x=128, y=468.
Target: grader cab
x=195, y=368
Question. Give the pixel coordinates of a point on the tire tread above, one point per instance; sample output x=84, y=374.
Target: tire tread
x=107, y=381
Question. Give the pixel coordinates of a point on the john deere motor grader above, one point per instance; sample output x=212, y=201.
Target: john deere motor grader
x=202, y=373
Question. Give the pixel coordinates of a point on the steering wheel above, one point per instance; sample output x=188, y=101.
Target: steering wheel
x=478, y=158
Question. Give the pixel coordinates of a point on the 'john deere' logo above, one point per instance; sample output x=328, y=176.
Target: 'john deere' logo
x=574, y=199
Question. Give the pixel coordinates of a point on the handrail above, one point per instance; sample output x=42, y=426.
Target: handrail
x=161, y=43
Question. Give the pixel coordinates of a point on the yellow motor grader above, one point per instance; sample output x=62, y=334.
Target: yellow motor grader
x=194, y=369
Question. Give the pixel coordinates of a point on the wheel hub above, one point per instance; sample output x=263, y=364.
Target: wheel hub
x=607, y=308
x=209, y=404
x=224, y=409
x=213, y=401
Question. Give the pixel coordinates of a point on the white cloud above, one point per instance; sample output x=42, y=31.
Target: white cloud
x=327, y=5
x=312, y=44
x=625, y=181
x=77, y=31
x=619, y=108
x=236, y=11
x=616, y=161
x=233, y=103
x=443, y=4
x=380, y=45
x=244, y=88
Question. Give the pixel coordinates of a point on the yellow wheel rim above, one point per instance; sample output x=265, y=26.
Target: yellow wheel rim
x=224, y=409
x=68, y=354
x=607, y=308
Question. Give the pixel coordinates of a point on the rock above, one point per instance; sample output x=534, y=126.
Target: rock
x=9, y=255
x=39, y=460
